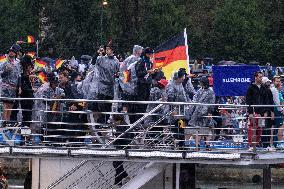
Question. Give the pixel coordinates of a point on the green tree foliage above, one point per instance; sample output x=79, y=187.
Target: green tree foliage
x=273, y=12
x=237, y=30
x=18, y=19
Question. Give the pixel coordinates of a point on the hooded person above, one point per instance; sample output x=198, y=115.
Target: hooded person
x=128, y=80
x=84, y=64
x=204, y=96
x=144, y=71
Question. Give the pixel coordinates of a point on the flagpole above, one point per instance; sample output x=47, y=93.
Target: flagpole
x=186, y=46
x=37, y=42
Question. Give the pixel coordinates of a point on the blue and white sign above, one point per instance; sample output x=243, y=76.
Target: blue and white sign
x=233, y=80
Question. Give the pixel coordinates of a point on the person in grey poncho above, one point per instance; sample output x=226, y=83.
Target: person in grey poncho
x=176, y=93
x=108, y=68
x=48, y=90
x=157, y=93
x=128, y=85
x=205, y=96
x=128, y=80
x=10, y=71
x=188, y=87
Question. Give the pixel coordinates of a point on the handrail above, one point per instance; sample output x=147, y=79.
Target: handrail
x=140, y=102
x=60, y=135
x=132, y=126
x=57, y=182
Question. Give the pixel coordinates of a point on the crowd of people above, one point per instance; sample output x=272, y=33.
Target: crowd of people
x=106, y=77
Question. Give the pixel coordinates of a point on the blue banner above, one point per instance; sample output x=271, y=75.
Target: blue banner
x=233, y=80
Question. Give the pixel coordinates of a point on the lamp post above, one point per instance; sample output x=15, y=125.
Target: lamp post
x=104, y=3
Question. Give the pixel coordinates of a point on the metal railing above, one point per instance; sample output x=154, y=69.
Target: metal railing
x=230, y=129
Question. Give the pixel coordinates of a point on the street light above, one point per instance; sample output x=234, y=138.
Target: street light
x=104, y=3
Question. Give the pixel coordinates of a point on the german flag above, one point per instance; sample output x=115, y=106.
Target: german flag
x=40, y=63
x=58, y=63
x=172, y=55
x=3, y=58
x=42, y=77
x=31, y=39
x=31, y=54
x=126, y=76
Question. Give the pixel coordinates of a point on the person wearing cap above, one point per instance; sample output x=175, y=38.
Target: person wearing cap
x=19, y=56
x=176, y=93
x=144, y=71
x=19, y=51
x=202, y=124
x=10, y=71
x=108, y=68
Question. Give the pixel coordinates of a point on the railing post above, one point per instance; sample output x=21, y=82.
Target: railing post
x=177, y=176
x=267, y=178
x=187, y=178
x=254, y=132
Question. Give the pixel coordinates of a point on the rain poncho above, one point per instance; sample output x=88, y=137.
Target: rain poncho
x=176, y=93
x=189, y=90
x=205, y=96
x=128, y=87
x=10, y=74
x=107, y=67
x=89, y=86
x=156, y=94
x=45, y=91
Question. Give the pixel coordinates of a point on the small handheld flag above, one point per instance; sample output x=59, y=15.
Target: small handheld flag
x=58, y=63
x=31, y=54
x=31, y=39
x=40, y=63
x=3, y=58
x=126, y=76
x=42, y=77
